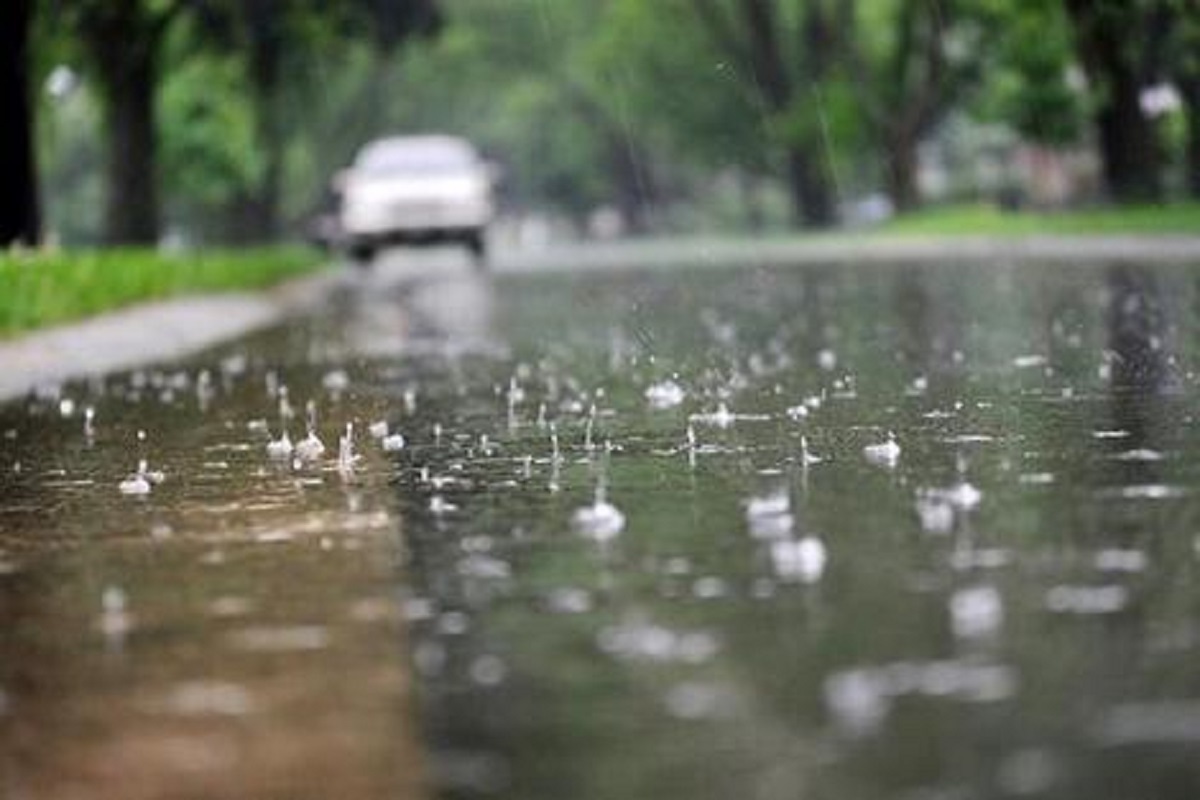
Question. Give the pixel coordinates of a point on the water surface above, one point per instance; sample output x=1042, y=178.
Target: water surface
x=769, y=609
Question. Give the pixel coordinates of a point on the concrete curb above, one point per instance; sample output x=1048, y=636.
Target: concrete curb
x=844, y=249
x=157, y=331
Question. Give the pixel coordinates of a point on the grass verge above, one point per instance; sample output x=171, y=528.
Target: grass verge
x=44, y=288
x=991, y=221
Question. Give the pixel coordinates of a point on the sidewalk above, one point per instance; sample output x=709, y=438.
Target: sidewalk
x=141, y=334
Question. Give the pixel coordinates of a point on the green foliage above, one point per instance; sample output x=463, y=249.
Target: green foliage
x=209, y=148
x=582, y=101
x=45, y=288
x=1181, y=218
x=1029, y=82
x=660, y=63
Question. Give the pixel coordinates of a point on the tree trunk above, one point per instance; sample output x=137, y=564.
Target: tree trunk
x=1128, y=140
x=1128, y=145
x=1191, y=105
x=902, y=165
x=812, y=196
x=19, y=217
x=634, y=186
x=266, y=54
x=129, y=75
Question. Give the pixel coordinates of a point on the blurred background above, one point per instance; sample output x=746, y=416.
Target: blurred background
x=204, y=122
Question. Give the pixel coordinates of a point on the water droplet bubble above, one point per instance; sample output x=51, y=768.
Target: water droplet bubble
x=976, y=612
x=141, y=481
x=860, y=699
x=438, y=506
x=115, y=620
x=883, y=454
x=208, y=699
x=1107, y=599
x=336, y=381
x=310, y=448
x=346, y=455
x=799, y=560
x=601, y=520
x=280, y=449
x=638, y=640
x=1153, y=722
x=1121, y=560
x=665, y=394
x=770, y=517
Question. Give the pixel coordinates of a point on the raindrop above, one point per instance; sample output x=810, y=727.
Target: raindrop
x=601, y=520
x=800, y=560
x=569, y=600
x=115, y=620
x=280, y=448
x=438, y=505
x=310, y=448
x=769, y=517
x=336, y=382
x=976, y=612
x=665, y=394
x=1118, y=560
x=488, y=670
x=346, y=456
x=883, y=454
x=1107, y=599
x=137, y=483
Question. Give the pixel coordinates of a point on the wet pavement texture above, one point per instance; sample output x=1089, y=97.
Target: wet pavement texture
x=823, y=532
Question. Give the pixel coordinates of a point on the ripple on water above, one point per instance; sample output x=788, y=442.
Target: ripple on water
x=1156, y=722
x=860, y=699
x=1106, y=599
x=799, y=560
x=208, y=699
x=280, y=639
x=641, y=640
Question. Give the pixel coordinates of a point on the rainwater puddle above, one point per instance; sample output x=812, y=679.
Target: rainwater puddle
x=846, y=532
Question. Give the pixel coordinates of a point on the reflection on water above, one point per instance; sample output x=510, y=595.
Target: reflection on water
x=636, y=539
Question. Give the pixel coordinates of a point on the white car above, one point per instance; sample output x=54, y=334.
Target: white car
x=415, y=190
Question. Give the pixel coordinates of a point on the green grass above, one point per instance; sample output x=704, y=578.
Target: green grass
x=40, y=289
x=989, y=220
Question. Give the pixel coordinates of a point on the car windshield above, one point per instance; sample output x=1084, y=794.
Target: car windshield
x=415, y=158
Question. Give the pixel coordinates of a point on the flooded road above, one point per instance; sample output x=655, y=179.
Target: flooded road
x=822, y=532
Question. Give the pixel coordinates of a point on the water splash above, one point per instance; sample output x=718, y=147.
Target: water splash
x=883, y=454
x=346, y=456
x=310, y=448
x=601, y=520
x=665, y=394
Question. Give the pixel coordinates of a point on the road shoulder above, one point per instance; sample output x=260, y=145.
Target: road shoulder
x=146, y=333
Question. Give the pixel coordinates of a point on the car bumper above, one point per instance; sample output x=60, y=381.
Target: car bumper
x=372, y=222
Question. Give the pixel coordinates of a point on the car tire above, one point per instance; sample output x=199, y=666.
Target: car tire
x=477, y=246
x=362, y=254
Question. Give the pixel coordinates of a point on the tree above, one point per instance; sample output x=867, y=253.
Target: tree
x=1028, y=84
x=1118, y=42
x=1184, y=60
x=519, y=77
x=274, y=37
x=913, y=61
x=19, y=217
x=123, y=42
x=754, y=36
